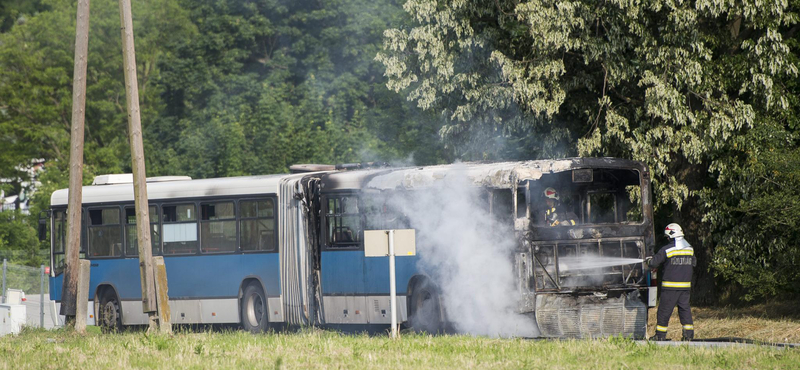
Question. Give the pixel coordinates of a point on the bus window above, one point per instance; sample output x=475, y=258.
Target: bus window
x=344, y=221
x=379, y=214
x=257, y=225
x=59, y=240
x=180, y=229
x=631, y=204
x=217, y=227
x=601, y=208
x=132, y=247
x=105, y=234
x=502, y=206
x=522, y=204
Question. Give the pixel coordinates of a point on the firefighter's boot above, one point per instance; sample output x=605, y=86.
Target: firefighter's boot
x=688, y=335
x=660, y=336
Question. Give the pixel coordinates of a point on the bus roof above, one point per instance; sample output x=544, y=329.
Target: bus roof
x=489, y=174
x=495, y=175
x=267, y=184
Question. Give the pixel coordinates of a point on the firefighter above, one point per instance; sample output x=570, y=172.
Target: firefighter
x=555, y=215
x=679, y=260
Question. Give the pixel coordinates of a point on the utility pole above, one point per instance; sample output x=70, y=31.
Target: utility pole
x=149, y=302
x=70, y=287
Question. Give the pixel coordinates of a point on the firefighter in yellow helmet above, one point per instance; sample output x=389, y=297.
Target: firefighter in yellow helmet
x=676, y=282
x=555, y=214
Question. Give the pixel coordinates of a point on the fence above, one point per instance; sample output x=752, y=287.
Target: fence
x=34, y=282
x=26, y=257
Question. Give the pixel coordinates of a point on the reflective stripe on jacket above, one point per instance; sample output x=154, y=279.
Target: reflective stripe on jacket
x=679, y=261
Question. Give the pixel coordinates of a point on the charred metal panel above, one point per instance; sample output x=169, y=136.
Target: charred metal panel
x=590, y=316
x=589, y=232
x=548, y=277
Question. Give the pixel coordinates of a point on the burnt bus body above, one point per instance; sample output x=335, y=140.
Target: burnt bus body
x=288, y=249
x=610, y=199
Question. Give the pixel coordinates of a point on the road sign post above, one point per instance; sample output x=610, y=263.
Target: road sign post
x=392, y=284
x=382, y=243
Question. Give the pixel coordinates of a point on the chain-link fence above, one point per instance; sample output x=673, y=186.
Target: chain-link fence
x=34, y=282
x=26, y=257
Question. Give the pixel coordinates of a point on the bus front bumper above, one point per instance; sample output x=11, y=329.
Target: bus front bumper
x=560, y=315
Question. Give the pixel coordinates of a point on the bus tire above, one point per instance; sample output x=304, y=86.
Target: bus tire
x=255, y=318
x=426, y=313
x=110, y=319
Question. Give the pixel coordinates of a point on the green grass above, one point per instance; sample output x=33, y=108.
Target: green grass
x=38, y=349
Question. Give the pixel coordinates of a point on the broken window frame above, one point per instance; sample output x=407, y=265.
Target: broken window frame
x=357, y=242
x=581, y=195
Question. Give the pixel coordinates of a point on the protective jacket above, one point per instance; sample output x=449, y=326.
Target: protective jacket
x=557, y=216
x=679, y=261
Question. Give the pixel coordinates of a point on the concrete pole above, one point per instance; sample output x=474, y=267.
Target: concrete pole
x=392, y=285
x=83, y=297
x=41, y=296
x=149, y=303
x=164, y=313
x=70, y=285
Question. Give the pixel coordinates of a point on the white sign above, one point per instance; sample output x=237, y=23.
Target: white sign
x=376, y=243
x=382, y=243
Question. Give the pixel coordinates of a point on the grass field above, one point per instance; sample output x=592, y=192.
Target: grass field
x=62, y=349
x=37, y=349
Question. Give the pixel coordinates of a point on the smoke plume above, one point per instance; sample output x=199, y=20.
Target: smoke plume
x=469, y=255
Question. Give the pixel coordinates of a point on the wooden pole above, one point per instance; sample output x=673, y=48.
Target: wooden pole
x=149, y=303
x=70, y=285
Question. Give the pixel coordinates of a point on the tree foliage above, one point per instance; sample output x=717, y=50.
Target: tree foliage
x=226, y=88
x=685, y=86
x=703, y=91
x=266, y=84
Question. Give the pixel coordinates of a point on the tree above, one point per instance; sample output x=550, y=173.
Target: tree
x=36, y=80
x=678, y=85
x=267, y=84
x=36, y=61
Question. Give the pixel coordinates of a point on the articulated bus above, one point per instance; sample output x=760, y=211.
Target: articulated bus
x=287, y=249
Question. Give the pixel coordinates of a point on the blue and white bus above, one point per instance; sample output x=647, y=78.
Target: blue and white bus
x=288, y=249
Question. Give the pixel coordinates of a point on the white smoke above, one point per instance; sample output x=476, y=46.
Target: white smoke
x=469, y=255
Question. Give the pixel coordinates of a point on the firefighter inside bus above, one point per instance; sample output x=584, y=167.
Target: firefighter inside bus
x=555, y=213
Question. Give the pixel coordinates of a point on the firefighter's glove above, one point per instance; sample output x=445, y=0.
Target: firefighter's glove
x=647, y=261
x=552, y=218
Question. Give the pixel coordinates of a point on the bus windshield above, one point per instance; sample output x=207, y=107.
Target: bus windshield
x=587, y=196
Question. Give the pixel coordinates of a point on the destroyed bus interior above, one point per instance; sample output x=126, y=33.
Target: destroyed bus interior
x=605, y=246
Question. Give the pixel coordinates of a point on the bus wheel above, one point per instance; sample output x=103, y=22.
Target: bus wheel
x=426, y=315
x=254, y=309
x=110, y=319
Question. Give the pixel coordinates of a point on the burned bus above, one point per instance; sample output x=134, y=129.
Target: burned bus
x=277, y=250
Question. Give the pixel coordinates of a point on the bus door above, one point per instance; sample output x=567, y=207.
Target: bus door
x=342, y=260
x=378, y=214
